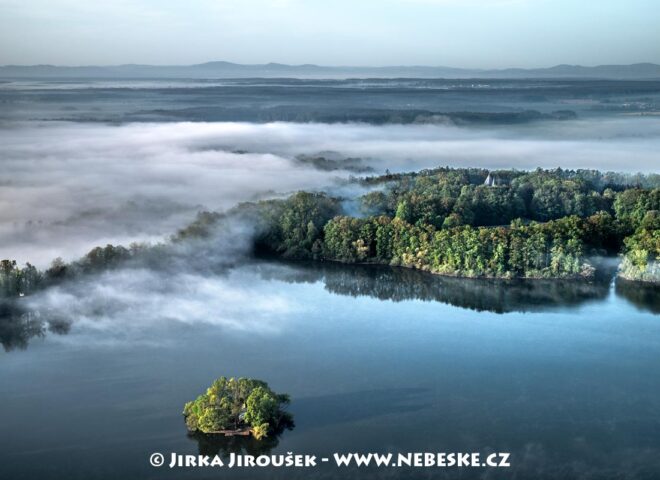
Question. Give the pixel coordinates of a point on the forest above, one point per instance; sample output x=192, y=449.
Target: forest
x=456, y=222
x=475, y=223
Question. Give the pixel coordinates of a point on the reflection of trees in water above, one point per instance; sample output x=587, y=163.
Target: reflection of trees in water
x=18, y=325
x=398, y=284
x=212, y=445
x=643, y=295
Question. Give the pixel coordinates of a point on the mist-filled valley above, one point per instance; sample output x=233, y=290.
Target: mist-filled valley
x=377, y=355
x=67, y=187
x=90, y=162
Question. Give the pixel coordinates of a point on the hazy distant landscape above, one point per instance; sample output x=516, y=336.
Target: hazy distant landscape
x=223, y=69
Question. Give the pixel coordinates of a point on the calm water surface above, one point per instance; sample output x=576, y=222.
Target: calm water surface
x=565, y=377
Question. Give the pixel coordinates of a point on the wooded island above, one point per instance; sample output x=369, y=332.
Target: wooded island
x=238, y=406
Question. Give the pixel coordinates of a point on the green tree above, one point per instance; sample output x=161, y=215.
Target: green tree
x=233, y=403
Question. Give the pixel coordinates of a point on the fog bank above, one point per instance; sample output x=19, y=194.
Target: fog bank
x=66, y=187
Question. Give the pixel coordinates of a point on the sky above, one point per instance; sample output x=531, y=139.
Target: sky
x=457, y=33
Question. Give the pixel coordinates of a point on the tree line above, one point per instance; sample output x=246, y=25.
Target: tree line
x=538, y=224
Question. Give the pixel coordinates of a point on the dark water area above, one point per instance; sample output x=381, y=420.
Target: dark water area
x=374, y=101
x=563, y=376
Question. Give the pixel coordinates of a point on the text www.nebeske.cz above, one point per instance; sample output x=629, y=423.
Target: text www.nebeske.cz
x=290, y=460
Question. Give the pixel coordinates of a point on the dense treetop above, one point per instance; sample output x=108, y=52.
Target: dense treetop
x=471, y=222
x=232, y=404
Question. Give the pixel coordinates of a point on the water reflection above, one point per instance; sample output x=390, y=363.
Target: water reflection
x=21, y=321
x=19, y=324
x=400, y=284
x=642, y=295
x=212, y=445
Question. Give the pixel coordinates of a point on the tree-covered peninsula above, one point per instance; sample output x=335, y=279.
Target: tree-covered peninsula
x=238, y=406
x=456, y=222
x=475, y=223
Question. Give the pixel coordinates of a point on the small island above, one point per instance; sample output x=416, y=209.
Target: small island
x=238, y=406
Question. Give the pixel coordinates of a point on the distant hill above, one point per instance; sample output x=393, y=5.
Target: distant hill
x=219, y=69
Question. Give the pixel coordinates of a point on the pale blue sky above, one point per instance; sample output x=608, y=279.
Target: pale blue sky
x=460, y=33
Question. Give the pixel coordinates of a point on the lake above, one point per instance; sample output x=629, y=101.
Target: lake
x=563, y=376
x=94, y=375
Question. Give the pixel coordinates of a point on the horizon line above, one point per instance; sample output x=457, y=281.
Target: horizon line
x=317, y=65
